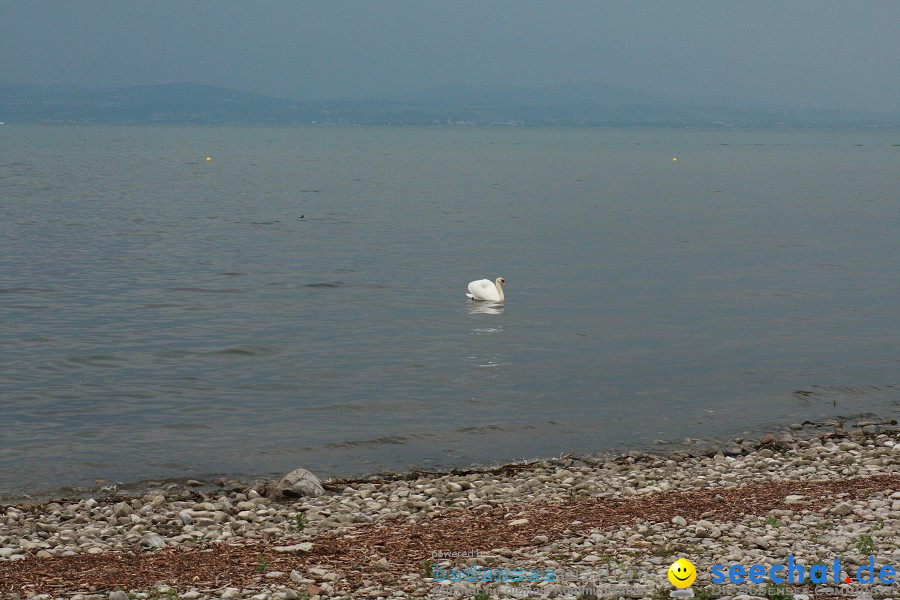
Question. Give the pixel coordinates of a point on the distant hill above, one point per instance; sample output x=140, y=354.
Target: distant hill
x=172, y=103
x=566, y=105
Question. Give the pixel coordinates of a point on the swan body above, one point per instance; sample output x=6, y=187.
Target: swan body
x=485, y=289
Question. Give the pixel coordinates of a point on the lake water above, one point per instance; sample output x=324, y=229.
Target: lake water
x=164, y=316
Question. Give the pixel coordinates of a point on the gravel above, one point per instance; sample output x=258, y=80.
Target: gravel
x=815, y=493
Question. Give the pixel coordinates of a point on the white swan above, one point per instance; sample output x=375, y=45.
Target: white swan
x=485, y=289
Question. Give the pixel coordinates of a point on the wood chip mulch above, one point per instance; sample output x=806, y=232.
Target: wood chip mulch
x=406, y=545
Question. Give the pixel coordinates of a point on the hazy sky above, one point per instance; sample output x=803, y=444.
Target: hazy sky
x=818, y=54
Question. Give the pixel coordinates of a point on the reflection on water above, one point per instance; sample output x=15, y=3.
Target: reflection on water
x=481, y=307
x=490, y=357
x=481, y=330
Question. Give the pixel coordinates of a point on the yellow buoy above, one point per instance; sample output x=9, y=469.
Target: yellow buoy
x=674, y=159
x=209, y=159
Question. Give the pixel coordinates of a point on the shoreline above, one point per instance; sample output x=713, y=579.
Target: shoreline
x=212, y=481
x=813, y=492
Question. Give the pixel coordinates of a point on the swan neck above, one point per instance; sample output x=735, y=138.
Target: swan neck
x=499, y=289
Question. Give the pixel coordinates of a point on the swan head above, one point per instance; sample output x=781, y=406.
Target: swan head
x=500, y=283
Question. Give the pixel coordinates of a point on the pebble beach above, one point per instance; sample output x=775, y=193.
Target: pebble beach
x=578, y=527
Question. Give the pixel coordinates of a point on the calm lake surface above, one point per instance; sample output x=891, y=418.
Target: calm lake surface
x=164, y=316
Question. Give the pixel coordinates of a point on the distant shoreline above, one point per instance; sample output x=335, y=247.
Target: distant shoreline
x=588, y=105
x=775, y=128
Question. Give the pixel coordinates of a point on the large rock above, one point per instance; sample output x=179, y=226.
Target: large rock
x=154, y=540
x=296, y=484
x=122, y=509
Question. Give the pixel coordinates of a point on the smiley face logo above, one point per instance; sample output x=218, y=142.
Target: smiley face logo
x=682, y=573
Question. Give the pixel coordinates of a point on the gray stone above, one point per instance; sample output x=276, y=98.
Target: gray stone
x=296, y=484
x=154, y=540
x=118, y=595
x=122, y=509
x=301, y=548
x=843, y=509
x=185, y=517
x=733, y=450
